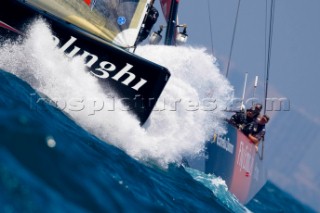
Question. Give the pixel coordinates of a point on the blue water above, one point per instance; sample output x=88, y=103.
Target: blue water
x=272, y=199
x=50, y=164
x=79, y=173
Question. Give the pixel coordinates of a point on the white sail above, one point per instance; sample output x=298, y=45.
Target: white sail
x=117, y=21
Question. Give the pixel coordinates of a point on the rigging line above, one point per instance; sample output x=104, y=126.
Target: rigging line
x=267, y=58
x=209, y=11
x=265, y=66
x=233, y=36
x=265, y=45
x=272, y=8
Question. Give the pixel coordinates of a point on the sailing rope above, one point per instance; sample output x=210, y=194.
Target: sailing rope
x=232, y=40
x=268, y=58
x=265, y=46
x=209, y=11
x=272, y=8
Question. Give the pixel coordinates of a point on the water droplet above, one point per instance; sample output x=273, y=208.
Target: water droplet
x=51, y=142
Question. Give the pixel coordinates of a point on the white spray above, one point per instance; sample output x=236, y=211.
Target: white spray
x=188, y=111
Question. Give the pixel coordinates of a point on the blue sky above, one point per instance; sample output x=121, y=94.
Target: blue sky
x=295, y=51
x=293, y=141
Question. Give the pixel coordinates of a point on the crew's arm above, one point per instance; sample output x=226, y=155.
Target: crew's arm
x=257, y=137
x=253, y=139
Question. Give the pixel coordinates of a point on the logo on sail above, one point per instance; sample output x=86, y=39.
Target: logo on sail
x=90, y=3
x=121, y=20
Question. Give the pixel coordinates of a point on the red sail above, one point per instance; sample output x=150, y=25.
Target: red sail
x=165, y=5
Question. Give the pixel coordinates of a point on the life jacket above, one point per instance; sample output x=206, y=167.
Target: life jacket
x=254, y=116
x=238, y=119
x=253, y=128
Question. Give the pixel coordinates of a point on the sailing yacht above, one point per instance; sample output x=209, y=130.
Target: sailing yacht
x=232, y=156
x=103, y=33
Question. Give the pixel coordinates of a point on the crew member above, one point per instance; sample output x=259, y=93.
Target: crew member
x=253, y=113
x=241, y=118
x=255, y=130
x=151, y=19
x=238, y=119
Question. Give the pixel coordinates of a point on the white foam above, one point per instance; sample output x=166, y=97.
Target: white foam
x=168, y=135
x=219, y=188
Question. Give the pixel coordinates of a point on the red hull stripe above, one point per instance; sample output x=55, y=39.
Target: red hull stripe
x=4, y=25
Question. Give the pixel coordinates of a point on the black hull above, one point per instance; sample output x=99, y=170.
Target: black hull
x=136, y=81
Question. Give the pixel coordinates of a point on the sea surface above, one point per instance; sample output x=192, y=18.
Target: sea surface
x=57, y=158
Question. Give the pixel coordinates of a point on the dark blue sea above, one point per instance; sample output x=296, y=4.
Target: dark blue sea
x=59, y=156
x=50, y=164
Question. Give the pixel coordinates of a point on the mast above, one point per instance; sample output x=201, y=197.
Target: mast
x=172, y=23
